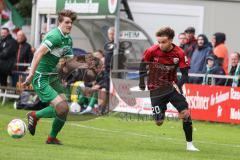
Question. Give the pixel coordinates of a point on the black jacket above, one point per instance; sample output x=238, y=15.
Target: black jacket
x=24, y=55
x=216, y=69
x=232, y=73
x=108, y=48
x=8, y=49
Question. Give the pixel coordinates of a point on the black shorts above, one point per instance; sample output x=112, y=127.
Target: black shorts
x=159, y=102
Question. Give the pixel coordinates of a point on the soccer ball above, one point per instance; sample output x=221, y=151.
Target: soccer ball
x=16, y=128
x=75, y=107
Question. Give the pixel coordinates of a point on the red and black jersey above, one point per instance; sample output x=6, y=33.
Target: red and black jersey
x=163, y=65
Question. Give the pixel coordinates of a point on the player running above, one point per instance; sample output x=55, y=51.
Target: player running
x=43, y=75
x=161, y=61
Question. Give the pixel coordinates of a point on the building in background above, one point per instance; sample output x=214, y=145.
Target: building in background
x=207, y=16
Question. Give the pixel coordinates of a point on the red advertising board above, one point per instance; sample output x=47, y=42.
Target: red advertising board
x=213, y=103
x=209, y=103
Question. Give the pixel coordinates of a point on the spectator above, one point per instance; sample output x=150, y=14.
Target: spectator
x=23, y=55
x=93, y=81
x=212, y=67
x=198, y=60
x=220, y=49
x=8, y=49
x=191, y=42
x=99, y=54
x=72, y=70
x=234, y=70
x=109, y=47
x=182, y=40
x=42, y=35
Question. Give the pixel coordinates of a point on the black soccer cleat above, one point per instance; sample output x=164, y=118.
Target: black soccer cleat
x=52, y=140
x=32, y=122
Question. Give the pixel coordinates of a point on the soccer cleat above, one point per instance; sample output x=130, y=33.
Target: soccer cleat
x=32, y=122
x=191, y=147
x=52, y=140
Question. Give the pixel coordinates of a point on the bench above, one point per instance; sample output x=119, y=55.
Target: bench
x=8, y=92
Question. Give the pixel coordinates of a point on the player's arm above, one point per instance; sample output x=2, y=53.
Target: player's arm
x=142, y=74
x=184, y=78
x=184, y=66
x=36, y=59
x=143, y=68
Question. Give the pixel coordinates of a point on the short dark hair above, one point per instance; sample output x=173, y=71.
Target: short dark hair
x=101, y=52
x=5, y=28
x=66, y=13
x=165, y=31
x=183, y=33
x=190, y=30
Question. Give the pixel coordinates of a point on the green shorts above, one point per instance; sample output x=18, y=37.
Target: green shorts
x=47, y=87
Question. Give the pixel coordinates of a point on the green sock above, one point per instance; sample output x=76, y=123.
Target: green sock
x=93, y=100
x=48, y=112
x=57, y=125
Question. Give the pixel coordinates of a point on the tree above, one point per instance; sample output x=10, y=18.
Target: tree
x=23, y=7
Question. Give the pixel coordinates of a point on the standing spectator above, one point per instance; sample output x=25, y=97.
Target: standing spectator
x=8, y=49
x=198, y=60
x=234, y=70
x=182, y=40
x=220, y=49
x=24, y=55
x=212, y=67
x=109, y=47
x=191, y=42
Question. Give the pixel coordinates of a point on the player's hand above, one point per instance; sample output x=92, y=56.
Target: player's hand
x=176, y=87
x=28, y=80
x=142, y=87
x=96, y=87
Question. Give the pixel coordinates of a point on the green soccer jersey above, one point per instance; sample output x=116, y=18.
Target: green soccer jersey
x=59, y=45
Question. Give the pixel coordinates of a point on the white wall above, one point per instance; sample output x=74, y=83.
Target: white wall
x=152, y=16
x=218, y=16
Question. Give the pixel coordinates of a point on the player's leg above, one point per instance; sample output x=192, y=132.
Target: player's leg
x=158, y=107
x=46, y=94
x=179, y=101
x=61, y=109
x=33, y=117
x=102, y=102
x=92, y=100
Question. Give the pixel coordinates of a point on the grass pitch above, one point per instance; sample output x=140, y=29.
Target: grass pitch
x=112, y=138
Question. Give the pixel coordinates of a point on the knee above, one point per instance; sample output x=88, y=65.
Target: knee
x=185, y=116
x=62, y=109
x=184, y=113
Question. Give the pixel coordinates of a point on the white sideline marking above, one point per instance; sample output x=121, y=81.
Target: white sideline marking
x=150, y=136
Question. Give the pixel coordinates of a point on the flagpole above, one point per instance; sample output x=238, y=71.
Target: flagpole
x=1, y=9
x=1, y=19
x=33, y=25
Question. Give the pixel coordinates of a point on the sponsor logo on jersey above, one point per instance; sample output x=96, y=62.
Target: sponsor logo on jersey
x=65, y=51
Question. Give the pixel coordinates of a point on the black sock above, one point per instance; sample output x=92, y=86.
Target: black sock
x=187, y=127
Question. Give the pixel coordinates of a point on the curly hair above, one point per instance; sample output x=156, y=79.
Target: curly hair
x=66, y=13
x=165, y=31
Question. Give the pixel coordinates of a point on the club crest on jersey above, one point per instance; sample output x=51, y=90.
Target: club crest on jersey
x=175, y=60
